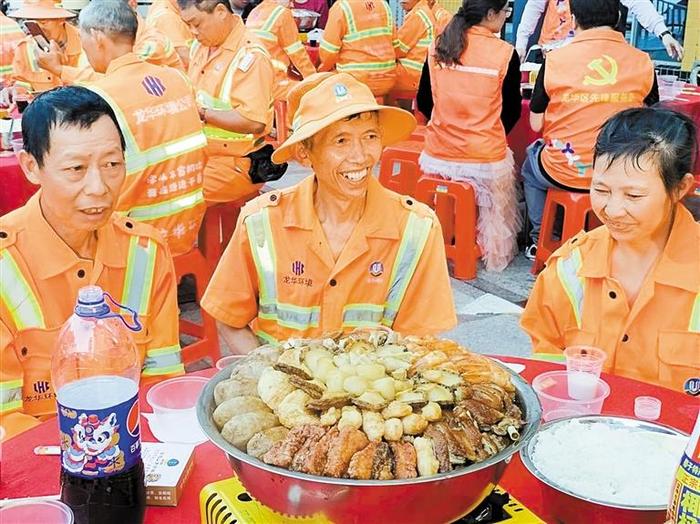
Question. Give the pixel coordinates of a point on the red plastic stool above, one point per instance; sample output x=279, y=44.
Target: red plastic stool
x=398, y=167
x=578, y=215
x=418, y=133
x=394, y=96
x=193, y=263
x=455, y=206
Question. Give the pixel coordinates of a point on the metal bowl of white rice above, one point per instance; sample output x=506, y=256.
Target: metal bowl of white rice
x=599, y=468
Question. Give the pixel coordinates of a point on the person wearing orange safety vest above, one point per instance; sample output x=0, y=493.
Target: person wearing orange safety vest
x=630, y=287
x=558, y=25
x=273, y=23
x=233, y=79
x=10, y=36
x=412, y=42
x=157, y=114
x=27, y=73
x=577, y=89
x=359, y=40
x=66, y=237
x=442, y=16
x=337, y=251
x=164, y=16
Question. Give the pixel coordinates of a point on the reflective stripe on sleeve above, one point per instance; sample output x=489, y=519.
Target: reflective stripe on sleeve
x=169, y=207
x=411, y=64
x=163, y=361
x=694, y=325
x=294, y=48
x=10, y=396
x=362, y=315
x=18, y=296
x=367, y=66
x=138, y=281
x=567, y=271
x=274, y=16
x=327, y=46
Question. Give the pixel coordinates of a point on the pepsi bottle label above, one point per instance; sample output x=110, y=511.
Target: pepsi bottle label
x=100, y=442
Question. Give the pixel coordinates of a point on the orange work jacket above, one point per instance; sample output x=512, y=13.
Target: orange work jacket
x=413, y=39
x=274, y=26
x=657, y=339
x=165, y=157
x=466, y=122
x=442, y=17
x=289, y=285
x=26, y=72
x=597, y=75
x=164, y=16
x=359, y=40
x=238, y=75
x=10, y=36
x=41, y=277
x=558, y=24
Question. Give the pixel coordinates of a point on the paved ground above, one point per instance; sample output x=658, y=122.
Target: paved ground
x=488, y=307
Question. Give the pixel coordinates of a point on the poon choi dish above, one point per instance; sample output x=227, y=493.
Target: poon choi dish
x=368, y=405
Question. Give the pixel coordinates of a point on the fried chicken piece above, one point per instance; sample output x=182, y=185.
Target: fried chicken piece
x=441, y=447
x=348, y=442
x=483, y=414
x=314, y=435
x=318, y=454
x=361, y=463
x=405, y=460
x=282, y=453
x=383, y=465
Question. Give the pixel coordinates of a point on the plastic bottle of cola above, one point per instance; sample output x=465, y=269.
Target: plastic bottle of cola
x=95, y=370
x=684, y=506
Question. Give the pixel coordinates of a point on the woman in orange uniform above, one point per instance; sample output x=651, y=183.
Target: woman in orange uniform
x=472, y=86
x=632, y=286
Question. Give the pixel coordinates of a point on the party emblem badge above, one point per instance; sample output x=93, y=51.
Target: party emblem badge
x=376, y=269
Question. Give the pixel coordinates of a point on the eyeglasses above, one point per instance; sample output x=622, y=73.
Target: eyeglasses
x=507, y=10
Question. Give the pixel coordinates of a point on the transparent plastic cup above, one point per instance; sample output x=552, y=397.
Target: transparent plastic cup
x=552, y=389
x=647, y=408
x=584, y=364
x=227, y=361
x=36, y=512
x=174, y=403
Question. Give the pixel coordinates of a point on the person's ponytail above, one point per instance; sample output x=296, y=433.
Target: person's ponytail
x=452, y=42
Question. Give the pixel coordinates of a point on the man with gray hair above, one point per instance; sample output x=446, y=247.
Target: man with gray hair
x=158, y=116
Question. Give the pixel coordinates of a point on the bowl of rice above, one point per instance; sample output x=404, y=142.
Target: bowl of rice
x=603, y=469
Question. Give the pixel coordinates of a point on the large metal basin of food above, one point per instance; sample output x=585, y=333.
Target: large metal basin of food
x=442, y=498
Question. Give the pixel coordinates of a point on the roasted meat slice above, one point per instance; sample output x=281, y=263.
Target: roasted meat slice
x=282, y=453
x=464, y=436
x=312, y=439
x=383, y=465
x=405, y=462
x=441, y=447
x=484, y=415
x=316, y=458
x=348, y=442
x=360, y=467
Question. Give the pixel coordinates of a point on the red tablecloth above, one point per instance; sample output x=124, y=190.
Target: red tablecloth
x=24, y=474
x=16, y=189
x=689, y=104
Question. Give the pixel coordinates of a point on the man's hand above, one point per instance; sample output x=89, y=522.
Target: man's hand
x=51, y=60
x=7, y=97
x=673, y=47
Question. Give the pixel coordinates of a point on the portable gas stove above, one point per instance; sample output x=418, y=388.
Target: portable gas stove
x=227, y=502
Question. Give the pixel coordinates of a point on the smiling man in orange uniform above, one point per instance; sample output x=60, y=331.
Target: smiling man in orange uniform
x=273, y=23
x=67, y=237
x=336, y=251
x=164, y=16
x=412, y=42
x=359, y=40
x=234, y=79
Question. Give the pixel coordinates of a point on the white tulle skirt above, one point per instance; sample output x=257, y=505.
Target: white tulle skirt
x=497, y=199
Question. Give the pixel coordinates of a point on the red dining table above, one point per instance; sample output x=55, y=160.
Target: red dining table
x=24, y=474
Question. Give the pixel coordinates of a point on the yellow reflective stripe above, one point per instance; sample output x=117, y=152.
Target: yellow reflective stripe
x=411, y=64
x=327, y=46
x=367, y=66
x=10, y=396
x=268, y=339
x=221, y=134
x=413, y=240
x=18, y=296
x=549, y=357
x=347, y=11
x=11, y=29
x=265, y=35
x=428, y=25
x=4, y=70
x=146, y=50
x=281, y=66
x=31, y=56
x=163, y=361
x=362, y=315
x=289, y=315
x=694, y=325
x=169, y=207
x=274, y=16
x=294, y=48
x=404, y=47
x=138, y=281
x=25, y=85
x=138, y=161
x=194, y=47
x=567, y=271
x=367, y=33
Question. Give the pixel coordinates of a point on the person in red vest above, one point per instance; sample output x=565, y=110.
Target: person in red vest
x=474, y=79
x=578, y=88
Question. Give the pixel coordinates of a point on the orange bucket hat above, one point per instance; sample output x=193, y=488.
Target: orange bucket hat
x=325, y=98
x=40, y=10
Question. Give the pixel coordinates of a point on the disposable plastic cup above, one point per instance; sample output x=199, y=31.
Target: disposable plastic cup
x=17, y=145
x=552, y=389
x=174, y=404
x=584, y=364
x=36, y=512
x=647, y=408
x=225, y=362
